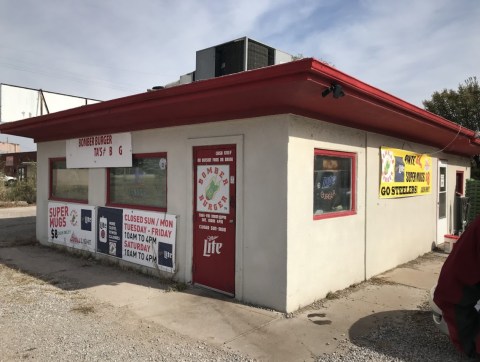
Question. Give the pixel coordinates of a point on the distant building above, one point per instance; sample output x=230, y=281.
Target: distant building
x=7, y=147
x=11, y=164
x=19, y=102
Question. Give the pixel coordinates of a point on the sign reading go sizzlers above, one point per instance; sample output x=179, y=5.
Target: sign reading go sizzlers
x=404, y=173
x=107, y=150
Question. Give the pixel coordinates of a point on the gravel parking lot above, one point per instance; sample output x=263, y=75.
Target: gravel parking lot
x=408, y=337
x=45, y=319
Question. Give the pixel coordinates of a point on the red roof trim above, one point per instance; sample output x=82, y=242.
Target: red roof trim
x=293, y=87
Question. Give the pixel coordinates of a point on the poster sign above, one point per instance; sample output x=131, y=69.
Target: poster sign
x=140, y=237
x=72, y=225
x=404, y=173
x=8, y=160
x=107, y=150
x=110, y=230
x=213, y=188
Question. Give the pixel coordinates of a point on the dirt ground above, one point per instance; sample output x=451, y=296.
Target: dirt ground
x=45, y=320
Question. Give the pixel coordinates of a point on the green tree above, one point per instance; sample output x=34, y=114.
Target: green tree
x=461, y=106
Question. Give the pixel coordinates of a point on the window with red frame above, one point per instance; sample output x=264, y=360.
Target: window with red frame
x=68, y=184
x=144, y=185
x=333, y=184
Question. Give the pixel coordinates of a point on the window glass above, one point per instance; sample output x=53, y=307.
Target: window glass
x=442, y=205
x=459, y=183
x=332, y=182
x=68, y=183
x=143, y=184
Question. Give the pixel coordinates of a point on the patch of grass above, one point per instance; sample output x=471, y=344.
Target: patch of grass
x=17, y=276
x=176, y=287
x=380, y=281
x=331, y=296
x=22, y=191
x=84, y=309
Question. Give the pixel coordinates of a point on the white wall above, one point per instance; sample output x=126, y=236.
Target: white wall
x=331, y=254
x=275, y=204
x=328, y=254
x=454, y=164
x=262, y=162
x=397, y=230
x=45, y=151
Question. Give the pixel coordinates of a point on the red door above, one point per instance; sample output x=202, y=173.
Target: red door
x=214, y=217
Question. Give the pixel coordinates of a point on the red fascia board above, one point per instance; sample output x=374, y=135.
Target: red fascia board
x=377, y=96
x=414, y=123
x=293, y=87
x=204, y=101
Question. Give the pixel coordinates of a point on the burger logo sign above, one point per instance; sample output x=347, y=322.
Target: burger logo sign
x=213, y=188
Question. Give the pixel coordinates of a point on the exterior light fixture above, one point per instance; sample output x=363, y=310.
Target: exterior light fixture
x=335, y=89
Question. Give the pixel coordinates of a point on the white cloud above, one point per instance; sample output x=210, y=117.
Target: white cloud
x=408, y=48
x=113, y=48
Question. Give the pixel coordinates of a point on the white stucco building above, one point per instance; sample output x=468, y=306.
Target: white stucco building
x=252, y=184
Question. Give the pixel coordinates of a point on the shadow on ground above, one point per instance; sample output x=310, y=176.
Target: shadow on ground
x=407, y=335
x=72, y=270
x=17, y=231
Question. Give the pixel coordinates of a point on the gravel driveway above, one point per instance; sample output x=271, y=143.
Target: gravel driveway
x=411, y=337
x=50, y=320
x=45, y=321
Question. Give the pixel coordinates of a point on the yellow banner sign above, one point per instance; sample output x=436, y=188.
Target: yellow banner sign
x=404, y=173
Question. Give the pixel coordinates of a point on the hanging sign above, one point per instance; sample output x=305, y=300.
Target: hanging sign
x=140, y=237
x=404, y=173
x=107, y=150
x=72, y=225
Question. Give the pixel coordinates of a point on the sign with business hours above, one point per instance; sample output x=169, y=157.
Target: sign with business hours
x=140, y=237
x=72, y=225
x=107, y=150
x=404, y=173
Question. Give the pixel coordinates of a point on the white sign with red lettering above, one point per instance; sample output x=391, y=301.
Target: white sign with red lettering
x=213, y=188
x=72, y=225
x=149, y=239
x=107, y=150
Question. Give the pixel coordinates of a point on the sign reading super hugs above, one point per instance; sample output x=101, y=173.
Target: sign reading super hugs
x=72, y=225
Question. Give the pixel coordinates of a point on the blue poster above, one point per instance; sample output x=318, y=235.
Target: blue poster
x=110, y=231
x=86, y=219
x=165, y=255
x=399, y=169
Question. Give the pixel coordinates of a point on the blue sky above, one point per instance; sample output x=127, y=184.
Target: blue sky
x=112, y=48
